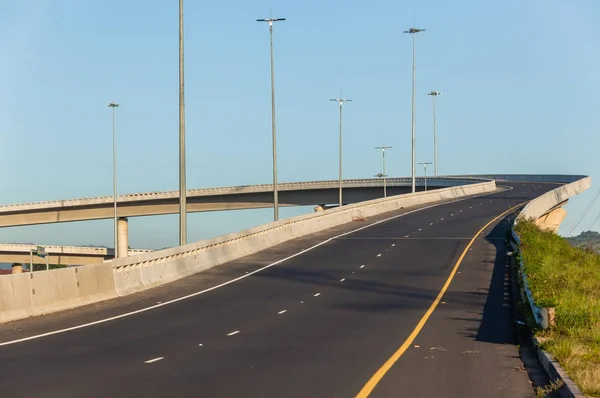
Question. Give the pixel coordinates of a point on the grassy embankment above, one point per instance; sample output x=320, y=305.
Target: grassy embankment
x=568, y=279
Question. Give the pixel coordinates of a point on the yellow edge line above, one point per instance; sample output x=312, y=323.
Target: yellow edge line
x=376, y=378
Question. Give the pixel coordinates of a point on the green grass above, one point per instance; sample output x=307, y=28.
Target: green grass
x=568, y=279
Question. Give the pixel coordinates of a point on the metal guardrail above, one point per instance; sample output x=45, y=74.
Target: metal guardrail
x=539, y=314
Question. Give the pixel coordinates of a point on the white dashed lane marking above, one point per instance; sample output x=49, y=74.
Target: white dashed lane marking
x=154, y=360
x=233, y=333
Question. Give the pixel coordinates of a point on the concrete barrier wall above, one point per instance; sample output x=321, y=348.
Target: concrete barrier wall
x=542, y=204
x=145, y=271
x=23, y=295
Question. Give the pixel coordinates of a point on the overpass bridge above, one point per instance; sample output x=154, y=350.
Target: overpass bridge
x=208, y=199
x=317, y=193
x=365, y=300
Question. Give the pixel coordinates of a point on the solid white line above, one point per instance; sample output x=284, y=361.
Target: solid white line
x=282, y=311
x=316, y=295
x=154, y=360
x=232, y=333
x=112, y=318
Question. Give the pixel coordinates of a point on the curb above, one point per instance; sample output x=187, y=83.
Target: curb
x=556, y=373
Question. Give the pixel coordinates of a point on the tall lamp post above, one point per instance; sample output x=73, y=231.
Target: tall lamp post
x=383, y=148
x=425, y=170
x=341, y=102
x=182, y=168
x=114, y=105
x=435, y=161
x=273, y=126
x=413, y=32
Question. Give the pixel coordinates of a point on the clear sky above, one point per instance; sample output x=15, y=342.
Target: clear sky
x=520, y=87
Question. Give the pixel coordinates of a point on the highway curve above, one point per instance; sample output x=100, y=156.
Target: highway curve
x=351, y=317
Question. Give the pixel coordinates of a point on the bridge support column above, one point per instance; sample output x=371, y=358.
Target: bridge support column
x=123, y=236
x=552, y=220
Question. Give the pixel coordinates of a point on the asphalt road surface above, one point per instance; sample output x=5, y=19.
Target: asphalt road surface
x=321, y=324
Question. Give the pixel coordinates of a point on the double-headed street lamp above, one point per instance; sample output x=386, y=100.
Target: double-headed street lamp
x=413, y=31
x=114, y=105
x=341, y=102
x=383, y=148
x=425, y=169
x=273, y=127
x=435, y=161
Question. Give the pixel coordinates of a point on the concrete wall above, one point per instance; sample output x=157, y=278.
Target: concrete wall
x=544, y=210
x=23, y=295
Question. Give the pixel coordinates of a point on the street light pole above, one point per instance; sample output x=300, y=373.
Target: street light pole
x=425, y=168
x=182, y=168
x=413, y=31
x=341, y=102
x=383, y=148
x=114, y=105
x=435, y=161
x=273, y=125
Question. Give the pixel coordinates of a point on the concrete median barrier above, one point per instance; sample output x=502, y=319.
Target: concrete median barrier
x=24, y=295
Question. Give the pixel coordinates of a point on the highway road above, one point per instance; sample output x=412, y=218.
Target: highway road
x=409, y=307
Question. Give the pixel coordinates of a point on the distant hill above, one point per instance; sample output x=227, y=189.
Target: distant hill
x=586, y=240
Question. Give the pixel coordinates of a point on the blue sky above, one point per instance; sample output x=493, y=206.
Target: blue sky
x=519, y=79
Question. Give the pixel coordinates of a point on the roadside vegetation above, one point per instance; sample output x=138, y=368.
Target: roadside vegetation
x=568, y=279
